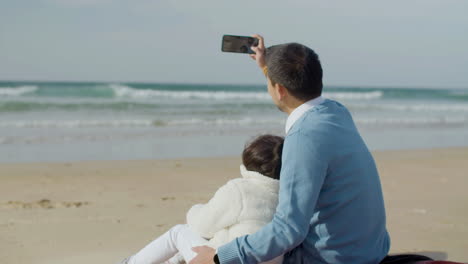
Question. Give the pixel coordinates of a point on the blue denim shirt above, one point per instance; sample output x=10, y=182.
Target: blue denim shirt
x=331, y=207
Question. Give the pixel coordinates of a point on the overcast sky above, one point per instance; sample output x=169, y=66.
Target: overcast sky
x=401, y=43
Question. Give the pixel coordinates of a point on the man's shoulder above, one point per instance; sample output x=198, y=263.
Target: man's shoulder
x=328, y=106
x=320, y=117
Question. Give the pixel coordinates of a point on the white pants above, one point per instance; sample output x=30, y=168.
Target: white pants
x=174, y=245
x=179, y=239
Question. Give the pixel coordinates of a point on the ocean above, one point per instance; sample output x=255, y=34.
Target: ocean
x=75, y=121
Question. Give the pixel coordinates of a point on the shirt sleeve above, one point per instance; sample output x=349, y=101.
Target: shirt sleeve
x=302, y=175
x=221, y=211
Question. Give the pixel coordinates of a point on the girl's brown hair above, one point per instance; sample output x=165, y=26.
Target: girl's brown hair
x=263, y=155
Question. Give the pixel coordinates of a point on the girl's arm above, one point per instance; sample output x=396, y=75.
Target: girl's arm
x=220, y=212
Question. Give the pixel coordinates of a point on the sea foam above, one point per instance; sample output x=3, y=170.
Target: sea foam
x=354, y=95
x=129, y=92
x=17, y=91
x=75, y=123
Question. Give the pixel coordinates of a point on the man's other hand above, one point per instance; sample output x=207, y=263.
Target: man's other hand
x=259, y=55
x=205, y=255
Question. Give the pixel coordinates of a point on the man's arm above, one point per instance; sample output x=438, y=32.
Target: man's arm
x=302, y=176
x=301, y=179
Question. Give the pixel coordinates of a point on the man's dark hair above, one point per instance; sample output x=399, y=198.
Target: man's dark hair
x=263, y=155
x=297, y=68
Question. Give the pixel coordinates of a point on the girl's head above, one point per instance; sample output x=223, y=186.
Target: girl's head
x=263, y=155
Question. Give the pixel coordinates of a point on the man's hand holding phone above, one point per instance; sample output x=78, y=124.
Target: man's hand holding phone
x=259, y=50
x=254, y=46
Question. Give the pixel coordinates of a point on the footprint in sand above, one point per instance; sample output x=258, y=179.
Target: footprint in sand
x=41, y=204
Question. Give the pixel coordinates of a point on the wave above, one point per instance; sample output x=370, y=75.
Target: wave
x=354, y=95
x=157, y=107
x=223, y=121
x=241, y=122
x=135, y=123
x=218, y=92
x=17, y=91
x=33, y=104
x=76, y=123
x=126, y=91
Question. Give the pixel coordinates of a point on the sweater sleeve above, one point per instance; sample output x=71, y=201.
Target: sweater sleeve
x=301, y=179
x=221, y=211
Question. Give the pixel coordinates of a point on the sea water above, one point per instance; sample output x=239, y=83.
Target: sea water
x=73, y=121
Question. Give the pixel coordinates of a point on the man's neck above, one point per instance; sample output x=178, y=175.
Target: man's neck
x=299, y=109
x=293, y=104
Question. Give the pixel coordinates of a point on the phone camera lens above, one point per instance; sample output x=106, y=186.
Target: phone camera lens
x=255, y=43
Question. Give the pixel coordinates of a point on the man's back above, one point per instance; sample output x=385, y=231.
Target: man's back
x=348, y=221
x=330, y=204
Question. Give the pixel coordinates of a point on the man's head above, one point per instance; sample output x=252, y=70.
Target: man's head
x=296, y=68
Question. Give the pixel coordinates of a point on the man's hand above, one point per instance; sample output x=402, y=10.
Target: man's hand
x=205, y=255
x=259, y=55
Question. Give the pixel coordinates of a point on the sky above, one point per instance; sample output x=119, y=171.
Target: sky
x=398, y=43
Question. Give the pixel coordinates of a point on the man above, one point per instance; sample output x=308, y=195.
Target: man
x=331, y=208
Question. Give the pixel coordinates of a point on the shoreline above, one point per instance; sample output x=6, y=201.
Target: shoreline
x=227, y=156
x=103, y=211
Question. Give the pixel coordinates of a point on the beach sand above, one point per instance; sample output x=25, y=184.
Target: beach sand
x=103, y=211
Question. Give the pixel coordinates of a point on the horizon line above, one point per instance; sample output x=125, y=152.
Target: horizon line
x=226, y=84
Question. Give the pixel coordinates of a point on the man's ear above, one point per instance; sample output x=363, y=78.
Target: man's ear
x=282, y=91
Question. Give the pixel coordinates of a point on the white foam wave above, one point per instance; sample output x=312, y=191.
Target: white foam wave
x=222, y=121
x=353, y=95
x=17, y=91
x=129, y=92
x=135, y=123
x=76, y=123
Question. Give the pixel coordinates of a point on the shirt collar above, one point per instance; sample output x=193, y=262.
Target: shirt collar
x=300, y=110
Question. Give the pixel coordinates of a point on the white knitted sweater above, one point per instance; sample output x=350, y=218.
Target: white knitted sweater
x=242, y=206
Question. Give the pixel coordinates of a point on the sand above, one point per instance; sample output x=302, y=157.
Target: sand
x=103, y=211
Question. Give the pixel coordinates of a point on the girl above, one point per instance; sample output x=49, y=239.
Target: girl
x=242, y=206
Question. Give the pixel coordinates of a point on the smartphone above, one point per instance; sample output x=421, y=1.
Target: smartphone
x=238, y=44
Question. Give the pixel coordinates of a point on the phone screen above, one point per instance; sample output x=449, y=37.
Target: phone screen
x=238, y=44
